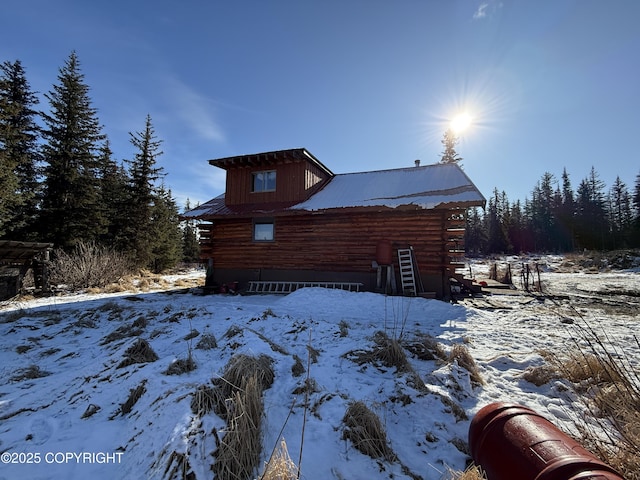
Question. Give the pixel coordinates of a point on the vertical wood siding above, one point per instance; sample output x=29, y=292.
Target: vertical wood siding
x=292, y=183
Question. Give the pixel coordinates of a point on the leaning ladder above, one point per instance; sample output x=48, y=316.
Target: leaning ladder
x=407, y=271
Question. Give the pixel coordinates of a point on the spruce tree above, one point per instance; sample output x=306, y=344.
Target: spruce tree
x=143, y=174
x=592, y=226
x=70, y=211
x=19, y=154
x=114, y=191
x=166, y=245
x=620, y=213
x=565, y=214
x=635, y=231
x=190, y=244
x=449, y=154
x=497, y=239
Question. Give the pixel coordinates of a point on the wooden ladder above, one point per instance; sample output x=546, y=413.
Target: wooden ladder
x=407, y=271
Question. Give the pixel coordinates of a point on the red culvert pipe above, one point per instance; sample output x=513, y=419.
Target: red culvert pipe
x=512, y=442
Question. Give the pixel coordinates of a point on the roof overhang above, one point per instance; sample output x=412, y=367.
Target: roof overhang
x=267, y=159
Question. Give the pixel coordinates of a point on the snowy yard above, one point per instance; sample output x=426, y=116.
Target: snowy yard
x=64, y=389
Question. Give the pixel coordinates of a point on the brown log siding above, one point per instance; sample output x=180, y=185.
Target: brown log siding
x=339, y=242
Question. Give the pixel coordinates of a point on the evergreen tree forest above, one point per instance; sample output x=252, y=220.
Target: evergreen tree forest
x=557, y=218
x=59, y=182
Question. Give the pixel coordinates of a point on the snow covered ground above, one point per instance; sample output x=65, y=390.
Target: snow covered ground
x=62, y=393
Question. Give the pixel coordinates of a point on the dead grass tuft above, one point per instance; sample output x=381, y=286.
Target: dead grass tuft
x=123, y=331
x=139, y=352
x=178, y=467
x=540, y=375
x=29, y=373
x=387, y=351
x=192, y=334
x=460, y=354
x=181, y=365
x=365, y=431
x=280, y=465
x=204, y=400
x=473, y=472
x=238, y=399
x=240, y=369
x=609, y=386
x=134, y=396
x=239, y=452
x=207, y=342
x=297, y=368
x=426, y=348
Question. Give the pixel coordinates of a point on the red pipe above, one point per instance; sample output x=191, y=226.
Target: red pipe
x=512, y=442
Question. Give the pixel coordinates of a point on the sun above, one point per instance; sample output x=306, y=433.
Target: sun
x=460, y=123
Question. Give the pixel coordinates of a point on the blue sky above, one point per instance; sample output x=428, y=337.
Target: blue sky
x=363, y=85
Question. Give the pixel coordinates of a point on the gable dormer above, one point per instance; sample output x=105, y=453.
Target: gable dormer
x=283, y=176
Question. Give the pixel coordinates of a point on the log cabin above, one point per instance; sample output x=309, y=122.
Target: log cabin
x=285, y=220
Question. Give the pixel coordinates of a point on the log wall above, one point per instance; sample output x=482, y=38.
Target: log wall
x=338, y=242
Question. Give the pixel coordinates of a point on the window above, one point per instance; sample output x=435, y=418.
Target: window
x=264, y=181
x=263, y=231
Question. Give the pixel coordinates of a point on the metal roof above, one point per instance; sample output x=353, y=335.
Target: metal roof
x=426, y=187
x=420, y=187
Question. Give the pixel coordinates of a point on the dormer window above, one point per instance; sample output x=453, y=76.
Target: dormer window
x=264, y=181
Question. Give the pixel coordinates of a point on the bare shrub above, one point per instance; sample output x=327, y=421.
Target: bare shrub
x=88, y=265
x=460, y=354
x=365, y=431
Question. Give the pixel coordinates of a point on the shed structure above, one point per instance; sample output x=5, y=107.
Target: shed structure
x=16, y=258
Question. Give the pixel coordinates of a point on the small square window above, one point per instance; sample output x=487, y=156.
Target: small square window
x=264, y=181
x=263, y=232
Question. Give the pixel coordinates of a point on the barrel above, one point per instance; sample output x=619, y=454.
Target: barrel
x=384, y=252
x=510, y=441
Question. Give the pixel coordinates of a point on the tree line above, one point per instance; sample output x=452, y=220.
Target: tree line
x=558, y=219
x=59, y=182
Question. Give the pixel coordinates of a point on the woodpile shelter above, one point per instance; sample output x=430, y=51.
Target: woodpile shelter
x=286, y=220
x=16, y=258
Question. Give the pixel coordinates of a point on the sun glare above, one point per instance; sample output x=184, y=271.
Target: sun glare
x=460, y=123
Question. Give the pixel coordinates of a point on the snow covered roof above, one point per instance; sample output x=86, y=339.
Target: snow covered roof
x=215, y=206
x=424, y=187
